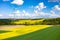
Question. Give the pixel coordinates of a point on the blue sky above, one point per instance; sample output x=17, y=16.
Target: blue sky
x=29, y=8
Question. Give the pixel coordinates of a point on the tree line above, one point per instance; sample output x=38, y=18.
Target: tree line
x=50, y=21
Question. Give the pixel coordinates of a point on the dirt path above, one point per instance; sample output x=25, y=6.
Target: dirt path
x=10, y=26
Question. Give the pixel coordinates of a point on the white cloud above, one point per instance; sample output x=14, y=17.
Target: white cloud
x=53, y=14
x=49, y=15
x=35, y=11
x=40, y=6
x=56, y=7
x=24, y=11
x=17, y=12
x=40, y=14
x=11, y=15
x=38, y=11
x=17, y=2
x=1, y=15
x=56, y=11
x=22, y=14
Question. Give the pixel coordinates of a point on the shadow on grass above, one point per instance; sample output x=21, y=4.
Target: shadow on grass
x=2, y=31
x=52, y=33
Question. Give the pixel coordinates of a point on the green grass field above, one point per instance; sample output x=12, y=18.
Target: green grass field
x=50, y=33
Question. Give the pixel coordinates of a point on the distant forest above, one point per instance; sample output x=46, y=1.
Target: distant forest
x=47, y=21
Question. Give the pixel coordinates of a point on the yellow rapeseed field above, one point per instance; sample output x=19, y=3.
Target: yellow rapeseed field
x=28, y=21
x=21, y=31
